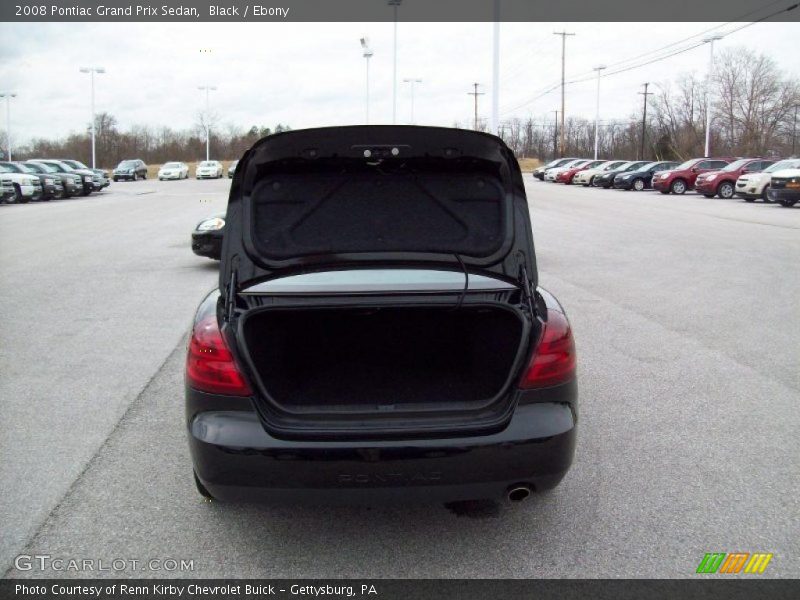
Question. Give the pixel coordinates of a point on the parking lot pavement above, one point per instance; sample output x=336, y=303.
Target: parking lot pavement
x=684, y=311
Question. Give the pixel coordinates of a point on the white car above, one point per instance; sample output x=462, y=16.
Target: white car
x=208, y=169
x=586, y=176
x=173, y=170
x=551, y=174
x=26, y=186
x=756, y=185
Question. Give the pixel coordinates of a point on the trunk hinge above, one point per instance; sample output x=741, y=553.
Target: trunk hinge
x=230, y=297
x=525, y=283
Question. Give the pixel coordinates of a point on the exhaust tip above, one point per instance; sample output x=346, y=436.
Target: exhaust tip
x=518, y=493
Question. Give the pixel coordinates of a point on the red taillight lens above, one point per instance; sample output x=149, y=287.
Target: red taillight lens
x=554, y=360
x=209, y=363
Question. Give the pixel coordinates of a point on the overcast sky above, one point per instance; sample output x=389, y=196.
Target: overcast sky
x=311, y=74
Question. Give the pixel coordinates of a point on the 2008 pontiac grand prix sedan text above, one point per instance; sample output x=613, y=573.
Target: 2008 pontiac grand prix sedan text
x=378, y=331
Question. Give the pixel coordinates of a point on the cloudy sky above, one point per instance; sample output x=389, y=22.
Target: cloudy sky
x=310, y=74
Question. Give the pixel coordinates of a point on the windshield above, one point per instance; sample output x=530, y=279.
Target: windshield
x=783, y=164
x=686, y=165
x=40, y=168
x=11, y=168
x=75, y=163
x=208, y=163
x=61, y=168
x=172, y=166
x=5, y=169
x=736, y=165
x=126, y=164
x=612, y=165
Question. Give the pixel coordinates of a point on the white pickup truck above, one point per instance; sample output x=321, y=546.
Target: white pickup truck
x=26, y=187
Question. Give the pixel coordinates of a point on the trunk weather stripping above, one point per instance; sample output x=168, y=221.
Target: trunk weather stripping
x=525, y=284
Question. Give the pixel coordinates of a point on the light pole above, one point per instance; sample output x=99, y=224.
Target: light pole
x=394, y=4
x=92, y=71
x=8, y=96
x=207, y=89
x=367, y=54
x=794, y=130
x=598, y=68
x=710, y=41
x=412, y=81
x=495, y=117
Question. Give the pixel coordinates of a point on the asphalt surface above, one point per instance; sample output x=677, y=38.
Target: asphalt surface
x=686, y=320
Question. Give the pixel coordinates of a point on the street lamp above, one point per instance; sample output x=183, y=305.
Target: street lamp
x=598, y=68
x=92, y=71
x=710, y=41
x=8, y=96
x=412, y=81
x=207, y=89
x=367, y=54
x=394, y=4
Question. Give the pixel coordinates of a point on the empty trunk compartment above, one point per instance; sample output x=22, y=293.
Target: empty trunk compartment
x=383, y=358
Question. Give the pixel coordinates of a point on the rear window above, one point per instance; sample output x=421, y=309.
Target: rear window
x=348, y=206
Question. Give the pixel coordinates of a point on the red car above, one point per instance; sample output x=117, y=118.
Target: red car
x=566, y=176
x=682, y=177
x=722, y=183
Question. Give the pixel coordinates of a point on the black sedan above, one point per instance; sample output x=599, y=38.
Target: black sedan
x=384, y=346
x=207, y=236
x=641, y=178
x=606, y=180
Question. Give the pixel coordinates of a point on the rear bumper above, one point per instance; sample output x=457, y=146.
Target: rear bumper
x=236, y=459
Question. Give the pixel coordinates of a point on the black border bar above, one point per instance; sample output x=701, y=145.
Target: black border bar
x=407, y=11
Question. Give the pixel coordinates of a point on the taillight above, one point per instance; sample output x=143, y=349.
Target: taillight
x=209, y=363
x=554, y=360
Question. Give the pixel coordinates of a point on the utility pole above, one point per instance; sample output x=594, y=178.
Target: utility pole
x=394, y=4
x=794, y=130
x=555, y=136
x=645, y=93
x=475, y=93
x=412, y=81
x=710, y=41
x=563, y=35
x=597, y=110
x=8, y=96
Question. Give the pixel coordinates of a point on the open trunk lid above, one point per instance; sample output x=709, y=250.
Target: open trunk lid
x=375, y=196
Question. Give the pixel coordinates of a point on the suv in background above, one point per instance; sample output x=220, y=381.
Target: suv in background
x=87, y=175
x=722, y=183
x=130, y=169
x=682, y=177
x=559, y=162
x=606, y=179
x=784, y=187
x=100, y=178
x=26, y=186
x=586, y=177
x=51, y=185
x=71, y=183
x=642, y=178
x=756, y=185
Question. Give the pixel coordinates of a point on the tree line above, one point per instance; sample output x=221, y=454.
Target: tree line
x=754, y=111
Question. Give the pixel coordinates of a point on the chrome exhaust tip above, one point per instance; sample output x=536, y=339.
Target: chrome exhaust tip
x=518, y=493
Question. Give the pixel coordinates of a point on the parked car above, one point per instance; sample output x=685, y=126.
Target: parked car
x=641, y=178
x=755, y=185
x=567, y=175
x=606, y=179
x=207, y=236
x=86, y=175
x=784, y=187
x=551, y=174
x=722, y=183
x=586, y=177
x=173, y=170
x=682, y=178
x=26, y=186
x=208, y=169
x=232, y=169
x=72, y=183
x=131, y=170
x=51, y=185
x=390, y=345
x=100, y=177
x=559, y=162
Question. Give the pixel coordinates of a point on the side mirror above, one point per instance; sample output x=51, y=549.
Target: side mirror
x=694, y=169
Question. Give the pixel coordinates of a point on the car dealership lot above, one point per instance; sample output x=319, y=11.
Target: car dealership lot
x=685, y=316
